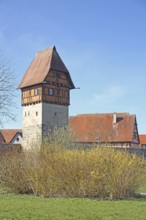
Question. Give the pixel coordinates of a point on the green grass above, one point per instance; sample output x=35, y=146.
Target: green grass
x=142, y=189
x=36, y=208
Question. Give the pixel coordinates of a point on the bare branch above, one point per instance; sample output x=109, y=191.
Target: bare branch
x=7, y=91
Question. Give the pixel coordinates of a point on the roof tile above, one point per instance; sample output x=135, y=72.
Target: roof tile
x=100, y=127
x=9, y=134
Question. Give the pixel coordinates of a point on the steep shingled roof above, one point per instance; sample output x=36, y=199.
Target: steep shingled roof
x=101, y=128
x=9, y=134
x=43, y=62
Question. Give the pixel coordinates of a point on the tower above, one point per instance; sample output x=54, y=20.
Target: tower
x=45, y=91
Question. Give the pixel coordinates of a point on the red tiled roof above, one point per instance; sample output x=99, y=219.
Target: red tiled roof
x=43, y=62
x=142, y=138
x=9, y=134
x=100, y=127
x=2, y=141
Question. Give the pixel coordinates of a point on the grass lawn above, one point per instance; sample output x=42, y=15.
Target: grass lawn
x=36, y=208
x=142, y=189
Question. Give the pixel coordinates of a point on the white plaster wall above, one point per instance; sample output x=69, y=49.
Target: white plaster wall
x=32, y=125
x=30, y=118
x=15, y=141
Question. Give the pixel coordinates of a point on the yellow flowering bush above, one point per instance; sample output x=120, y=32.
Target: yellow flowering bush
x=55, y=171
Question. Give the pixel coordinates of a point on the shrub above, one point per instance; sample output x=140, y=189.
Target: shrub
x=12, y=172
x=55, y=171
x=59, y=138
x=100, y=172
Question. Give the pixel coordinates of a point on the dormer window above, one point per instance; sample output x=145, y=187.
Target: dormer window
x=134, y=135
x=57, y=75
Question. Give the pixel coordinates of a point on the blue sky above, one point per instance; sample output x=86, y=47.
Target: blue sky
x=102, y=43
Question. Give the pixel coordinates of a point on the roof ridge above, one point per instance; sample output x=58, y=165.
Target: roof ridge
x=51, y=57
x=45, y=49
x=11, y=129
x=109, y=113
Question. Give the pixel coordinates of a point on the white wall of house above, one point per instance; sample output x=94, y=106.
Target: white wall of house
x=17, y=139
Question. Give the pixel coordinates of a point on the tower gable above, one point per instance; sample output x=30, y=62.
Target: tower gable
x=43, y=62
x=135, y=135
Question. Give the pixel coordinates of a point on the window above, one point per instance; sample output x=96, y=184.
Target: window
x=28, y=113
x=17, y=139
x=143, y=146
x=25, y=114
x=58, y=75
x=36, y=92
x=134, y=135
x=50, y=91
x=36, y=113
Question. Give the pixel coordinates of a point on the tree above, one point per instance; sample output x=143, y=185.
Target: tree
x=7, y=91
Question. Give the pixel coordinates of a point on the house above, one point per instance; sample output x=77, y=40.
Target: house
x=142, y=138
x=10, y=136
x=114, y=129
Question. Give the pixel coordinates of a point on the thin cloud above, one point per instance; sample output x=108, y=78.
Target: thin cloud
x=109, y=95
x=2, y=38
x=28, y=40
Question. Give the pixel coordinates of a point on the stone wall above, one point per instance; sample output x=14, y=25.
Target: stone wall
x=53, y=116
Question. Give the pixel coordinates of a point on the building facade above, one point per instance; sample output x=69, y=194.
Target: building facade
x=111, y=129
x=142, y=138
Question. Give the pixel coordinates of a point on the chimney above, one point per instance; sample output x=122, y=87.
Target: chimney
x=114, y=118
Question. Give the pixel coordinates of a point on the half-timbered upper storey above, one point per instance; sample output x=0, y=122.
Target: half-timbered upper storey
x=46, y=80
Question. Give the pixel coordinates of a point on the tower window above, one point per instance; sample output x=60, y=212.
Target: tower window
x=50, y=91
x=58, y=75
x=36, y=92
x=25, y=114
x=36, y=113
